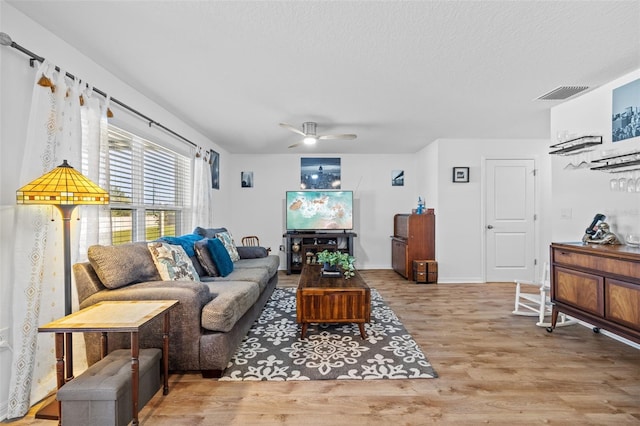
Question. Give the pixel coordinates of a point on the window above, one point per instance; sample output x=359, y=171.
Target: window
x=149, y=187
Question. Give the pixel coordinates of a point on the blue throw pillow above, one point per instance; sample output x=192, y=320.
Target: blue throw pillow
x=220, y=256
x=185, y=241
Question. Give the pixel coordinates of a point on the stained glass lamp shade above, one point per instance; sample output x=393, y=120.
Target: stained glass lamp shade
x=65, y=188
x=63, y=185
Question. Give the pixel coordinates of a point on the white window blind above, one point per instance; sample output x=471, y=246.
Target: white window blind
x=149, y=187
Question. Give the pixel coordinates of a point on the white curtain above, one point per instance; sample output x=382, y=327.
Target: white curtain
x=202, y=213
x=54, y=134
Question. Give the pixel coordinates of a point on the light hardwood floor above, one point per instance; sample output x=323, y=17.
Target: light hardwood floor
x=494, y=368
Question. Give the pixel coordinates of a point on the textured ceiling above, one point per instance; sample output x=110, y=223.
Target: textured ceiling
x=400, y=74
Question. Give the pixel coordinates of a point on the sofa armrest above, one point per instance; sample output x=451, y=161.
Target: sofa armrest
x=252, y=252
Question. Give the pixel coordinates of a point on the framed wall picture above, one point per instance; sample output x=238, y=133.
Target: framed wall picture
x=246, y=179
x=397, y=177
x=215, y=170
x=625, y=119
x=460, y=174
x=320, y=173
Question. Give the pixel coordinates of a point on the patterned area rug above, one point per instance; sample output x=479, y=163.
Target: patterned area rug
x=273, y=350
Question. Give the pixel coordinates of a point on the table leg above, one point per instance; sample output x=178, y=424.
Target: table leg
x=304, y=330
x=69, y=356
x=60, y=376
x=135, y=374
x=554, y=317
x=165, y=353
x=104, y=344
x=362, y=332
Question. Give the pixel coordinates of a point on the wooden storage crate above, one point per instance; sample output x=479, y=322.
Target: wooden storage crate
x=425, y=271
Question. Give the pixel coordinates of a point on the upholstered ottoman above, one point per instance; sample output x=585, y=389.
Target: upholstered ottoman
x=101, y=395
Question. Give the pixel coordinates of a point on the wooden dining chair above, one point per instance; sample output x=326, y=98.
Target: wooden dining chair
x=252, y=241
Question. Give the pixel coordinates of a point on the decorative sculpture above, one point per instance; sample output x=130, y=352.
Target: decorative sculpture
x=602, y=236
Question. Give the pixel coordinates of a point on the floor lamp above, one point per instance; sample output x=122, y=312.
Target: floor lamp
x=65, y=188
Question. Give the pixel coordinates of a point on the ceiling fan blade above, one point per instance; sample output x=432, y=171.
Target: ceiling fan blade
x=294, y=145
x=293, y=129
x=347, y=136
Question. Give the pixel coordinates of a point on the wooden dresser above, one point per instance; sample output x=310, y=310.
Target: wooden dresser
x=414, y=238
x=599, y=284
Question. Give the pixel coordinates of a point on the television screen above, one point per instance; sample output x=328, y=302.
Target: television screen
x=319, y=210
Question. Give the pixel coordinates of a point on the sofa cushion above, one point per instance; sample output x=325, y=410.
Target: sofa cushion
x=208, y=232
x=227, y=240
x=231, y=300
x=124, y=264
x=220, y=257
x=185, y=241
x=172, y=262
x=259, y=276
x=271, y=263
x=205, y=259
x=251, y=252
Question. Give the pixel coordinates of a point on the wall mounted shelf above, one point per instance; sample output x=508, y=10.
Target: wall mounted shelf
x=619, y=163
x=574, y=146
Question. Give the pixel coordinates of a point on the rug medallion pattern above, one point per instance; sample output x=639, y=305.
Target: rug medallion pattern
x=273, y=349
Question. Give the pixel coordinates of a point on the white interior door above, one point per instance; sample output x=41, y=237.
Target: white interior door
x=510, y=219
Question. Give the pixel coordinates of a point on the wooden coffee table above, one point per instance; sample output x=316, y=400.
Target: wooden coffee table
x=331, y=299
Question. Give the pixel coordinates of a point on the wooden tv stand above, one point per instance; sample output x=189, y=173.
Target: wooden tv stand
x=313, y=243
x=598, y=284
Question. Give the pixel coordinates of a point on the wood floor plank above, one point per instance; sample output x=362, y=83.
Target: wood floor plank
x=493, y=367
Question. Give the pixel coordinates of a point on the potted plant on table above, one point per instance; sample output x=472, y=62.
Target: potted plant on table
x=334, y=259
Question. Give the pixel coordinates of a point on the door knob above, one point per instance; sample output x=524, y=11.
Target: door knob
x=489, y=226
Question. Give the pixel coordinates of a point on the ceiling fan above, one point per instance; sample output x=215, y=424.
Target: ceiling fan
x=310, y=136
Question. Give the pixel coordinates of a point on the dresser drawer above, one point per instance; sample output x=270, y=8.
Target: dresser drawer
x=623, y=303
x=596, y=263
x=579, y=289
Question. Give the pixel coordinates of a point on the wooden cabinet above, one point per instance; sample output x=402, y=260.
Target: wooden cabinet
x=303, y=248
x=599, y=285
x=414, y=238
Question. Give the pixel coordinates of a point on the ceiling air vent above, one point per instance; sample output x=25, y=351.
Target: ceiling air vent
x=562, y=92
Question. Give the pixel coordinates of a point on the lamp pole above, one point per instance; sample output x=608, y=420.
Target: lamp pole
x=66, y=210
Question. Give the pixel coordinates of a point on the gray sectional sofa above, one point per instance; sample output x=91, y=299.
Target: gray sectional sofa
x=214, y=313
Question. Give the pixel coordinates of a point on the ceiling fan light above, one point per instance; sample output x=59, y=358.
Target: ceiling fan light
x=310, y=140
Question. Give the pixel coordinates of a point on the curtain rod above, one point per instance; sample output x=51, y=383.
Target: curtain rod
x=5, y=40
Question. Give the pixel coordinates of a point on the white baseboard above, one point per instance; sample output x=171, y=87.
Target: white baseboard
x=612, y=335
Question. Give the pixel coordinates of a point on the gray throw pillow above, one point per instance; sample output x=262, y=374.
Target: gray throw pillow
x=204, y=256
x=124, y=264
x=251, y=252
x=208, y=232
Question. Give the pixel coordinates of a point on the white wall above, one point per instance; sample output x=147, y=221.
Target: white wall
x=460, y=229
x=458, y=207
x=579, y=194
x=260, y=210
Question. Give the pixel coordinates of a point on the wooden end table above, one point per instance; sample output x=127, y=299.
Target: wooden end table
x=331, y=299
x=116, y=316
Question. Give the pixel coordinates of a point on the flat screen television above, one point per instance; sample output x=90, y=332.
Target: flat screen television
x=319, y=210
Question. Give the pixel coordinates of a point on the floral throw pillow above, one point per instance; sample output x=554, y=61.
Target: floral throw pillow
x=172, y=262
x=228, y=243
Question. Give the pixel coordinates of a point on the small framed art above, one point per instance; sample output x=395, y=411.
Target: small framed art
x=397, y=177
x=215, y=170
x=460, y=174
x=246, y=179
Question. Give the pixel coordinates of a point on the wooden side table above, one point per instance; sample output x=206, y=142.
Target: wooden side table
x=115, y=316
